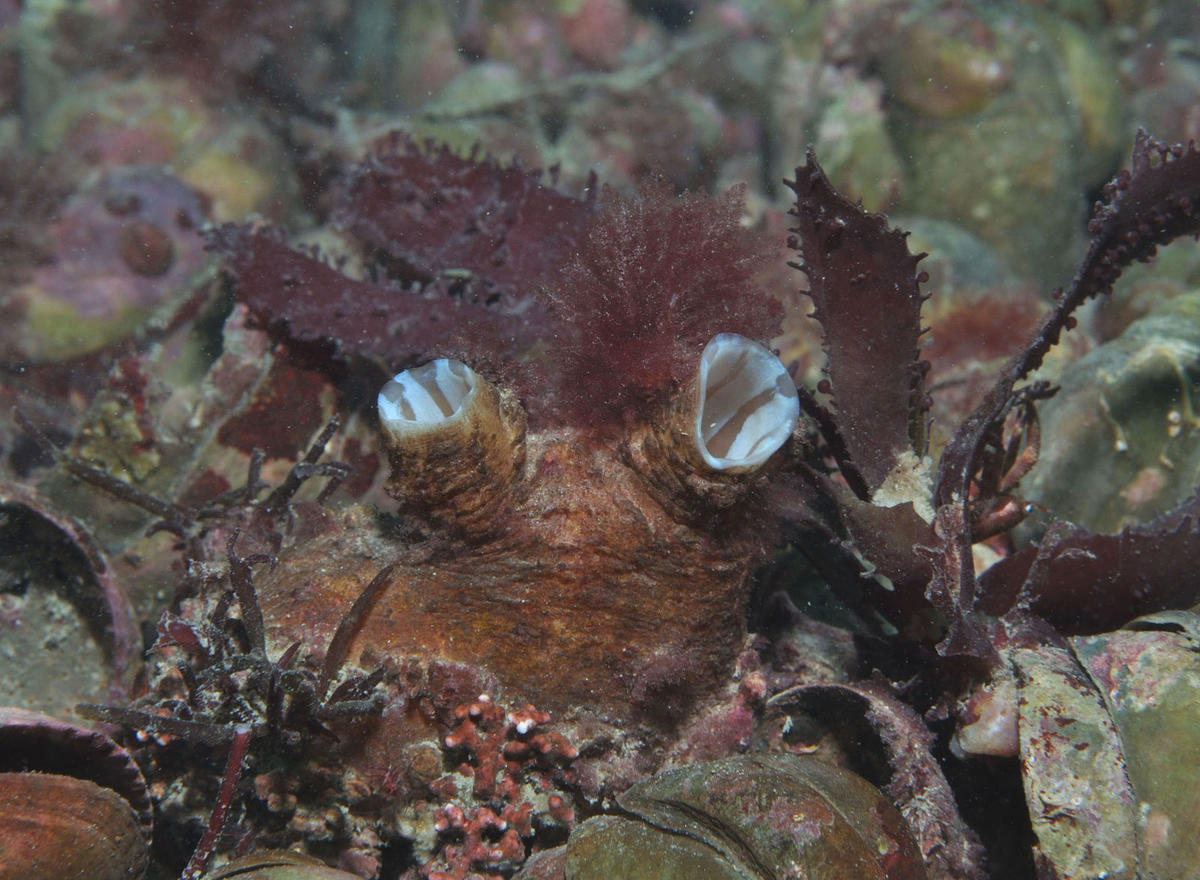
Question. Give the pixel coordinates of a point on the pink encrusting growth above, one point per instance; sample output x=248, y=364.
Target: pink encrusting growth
x=511, y=757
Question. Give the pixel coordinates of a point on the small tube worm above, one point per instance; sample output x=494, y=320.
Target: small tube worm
x=721, y=430
x=456, y=445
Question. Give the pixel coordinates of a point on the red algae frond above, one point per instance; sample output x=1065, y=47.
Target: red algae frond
x=655, y=277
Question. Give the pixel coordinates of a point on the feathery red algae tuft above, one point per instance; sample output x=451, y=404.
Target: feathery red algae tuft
x=655, y=277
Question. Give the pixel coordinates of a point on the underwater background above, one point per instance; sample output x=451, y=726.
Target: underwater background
x=804, y=475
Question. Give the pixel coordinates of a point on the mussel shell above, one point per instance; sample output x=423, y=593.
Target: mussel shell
x=277, y=865
x=1150, y=682
x=747, y=817
x=30, y=741
x=96, y=591
x=1081, y=806
x=54, y=827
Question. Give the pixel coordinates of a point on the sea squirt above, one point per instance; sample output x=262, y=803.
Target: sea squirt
x=558, y=526
x=586, y=570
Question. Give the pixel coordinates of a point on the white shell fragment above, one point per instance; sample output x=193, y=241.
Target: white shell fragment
x=428, y=396
x=748, y=405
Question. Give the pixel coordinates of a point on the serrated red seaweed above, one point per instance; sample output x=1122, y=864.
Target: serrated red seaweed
x=487, y=264
x=303, y=298
x=429, y=210
x=1152, y=204
x=864, y=284
x=1086, y=583
x=1148, y=206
